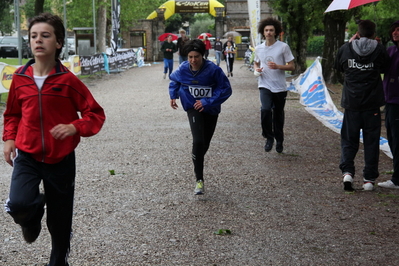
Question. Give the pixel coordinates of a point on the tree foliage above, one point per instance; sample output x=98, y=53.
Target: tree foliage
x=6, y=17
x=300, y=18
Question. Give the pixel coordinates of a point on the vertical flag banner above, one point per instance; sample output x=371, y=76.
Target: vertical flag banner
x=254, y=19
x=115, y=24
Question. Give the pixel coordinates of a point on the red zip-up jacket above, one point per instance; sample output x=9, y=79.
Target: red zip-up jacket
x=31, y=113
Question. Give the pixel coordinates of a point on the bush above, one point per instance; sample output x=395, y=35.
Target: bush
x=315, y=46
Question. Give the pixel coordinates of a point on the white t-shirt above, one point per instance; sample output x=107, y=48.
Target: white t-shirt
x=39, y=80
x=279, y=53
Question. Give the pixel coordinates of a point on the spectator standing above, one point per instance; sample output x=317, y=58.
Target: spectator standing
x=229, y=54
x=181, y=41
x=272, y=59
x=168, y=48
x=362, y=60
x=208, y=46
x=218, y=47
x=391, y=89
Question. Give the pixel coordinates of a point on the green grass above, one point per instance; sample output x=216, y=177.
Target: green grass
x=13, y=61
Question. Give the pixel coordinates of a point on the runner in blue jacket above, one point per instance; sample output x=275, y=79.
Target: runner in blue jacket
x=202, y=87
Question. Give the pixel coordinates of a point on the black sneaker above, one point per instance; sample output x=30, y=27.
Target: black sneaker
x=32, y=232
x=279, y=147
x=269, y=145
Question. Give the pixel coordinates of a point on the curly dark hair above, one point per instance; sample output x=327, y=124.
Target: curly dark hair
x=194, y=45
x=270, y=22
x=56, y=22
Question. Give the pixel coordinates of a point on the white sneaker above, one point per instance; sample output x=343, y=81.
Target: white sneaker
x=348, y=179
x=388, y=184
x=368, y=186
x=164, y=75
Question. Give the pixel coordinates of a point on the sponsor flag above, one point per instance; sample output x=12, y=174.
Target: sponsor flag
x=115, y=24
x=254, y=19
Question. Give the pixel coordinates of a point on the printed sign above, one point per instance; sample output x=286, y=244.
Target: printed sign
x=192, y=6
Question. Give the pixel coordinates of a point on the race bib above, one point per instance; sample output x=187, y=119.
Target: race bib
x=200, y=92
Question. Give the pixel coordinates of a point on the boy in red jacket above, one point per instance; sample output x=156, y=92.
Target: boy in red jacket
x=42, y=128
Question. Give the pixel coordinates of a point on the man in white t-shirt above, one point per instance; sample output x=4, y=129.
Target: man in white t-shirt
x=272, y=59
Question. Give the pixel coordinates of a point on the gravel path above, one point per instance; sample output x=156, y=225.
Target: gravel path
x=281, y=209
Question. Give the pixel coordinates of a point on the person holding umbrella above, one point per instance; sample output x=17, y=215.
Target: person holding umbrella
x=361, y=60
x=168, y=48
x=229, y=53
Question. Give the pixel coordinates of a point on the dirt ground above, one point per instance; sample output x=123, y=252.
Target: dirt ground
x=281, y=209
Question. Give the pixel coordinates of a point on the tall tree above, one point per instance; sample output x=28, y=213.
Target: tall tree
x=300, y=18
x=334, y=32
x=6, y=18
x=39, y=7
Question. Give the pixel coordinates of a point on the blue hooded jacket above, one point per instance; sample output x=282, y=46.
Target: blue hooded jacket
x=209, y=84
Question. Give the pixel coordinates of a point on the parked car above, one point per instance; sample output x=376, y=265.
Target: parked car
x=9, y=47
x=70, y=45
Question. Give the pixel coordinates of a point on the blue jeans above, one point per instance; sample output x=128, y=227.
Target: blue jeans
x=272, y=114
x=182, y=59
x=218, y=55
x=167, y=64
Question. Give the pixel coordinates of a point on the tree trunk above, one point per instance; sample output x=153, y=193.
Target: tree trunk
x=101, y=27
x=334, y=32
x=299, y=34
x=39, y=7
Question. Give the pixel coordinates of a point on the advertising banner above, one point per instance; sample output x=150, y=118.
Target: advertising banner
x=115, y=24
x=6, y=77
x=91, y=64
x=192, y=6
x=254, y=19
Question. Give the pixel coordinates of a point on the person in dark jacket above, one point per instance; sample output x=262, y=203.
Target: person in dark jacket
x=181, y=41
x=391, y=89
x=168, y=48
x=362, y=60
x=48, y=110
x=202, y=88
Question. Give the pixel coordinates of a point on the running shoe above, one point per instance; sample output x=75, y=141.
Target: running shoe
x=388, y=184
x=348, y=180
x=199, y=188
x=368, y=185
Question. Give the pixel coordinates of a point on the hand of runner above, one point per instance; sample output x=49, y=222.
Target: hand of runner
x=198, y=106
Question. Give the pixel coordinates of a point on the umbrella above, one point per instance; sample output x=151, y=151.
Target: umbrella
x=202, y=35
x=163, y=37
x=232, y=34
x=347, y=4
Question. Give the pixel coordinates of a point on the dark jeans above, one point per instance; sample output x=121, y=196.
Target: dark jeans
x=182, y=59
x=202, y=128
x=272, y=114
x=230, y=64
x=370, y=124
x=25, y=201
x=392, y=126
